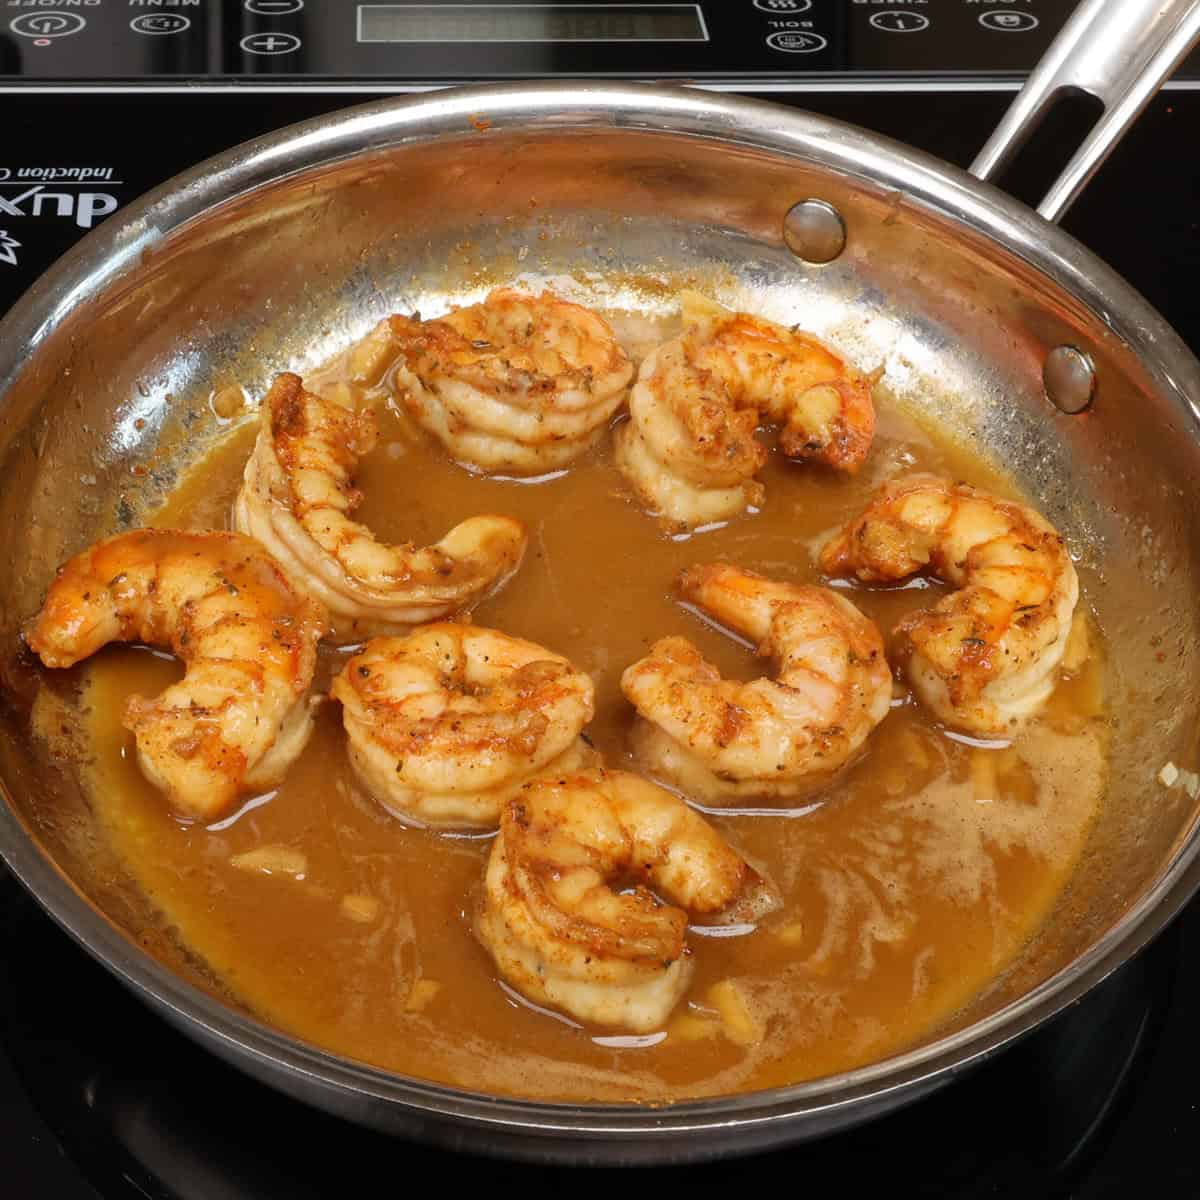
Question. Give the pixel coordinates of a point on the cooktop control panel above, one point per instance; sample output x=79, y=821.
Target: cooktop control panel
x=339, y=40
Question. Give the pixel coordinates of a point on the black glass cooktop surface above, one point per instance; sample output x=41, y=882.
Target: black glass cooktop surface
x=99, y=1098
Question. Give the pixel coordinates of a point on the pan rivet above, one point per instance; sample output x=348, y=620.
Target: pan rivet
x=1069, y=378
x=814, y=231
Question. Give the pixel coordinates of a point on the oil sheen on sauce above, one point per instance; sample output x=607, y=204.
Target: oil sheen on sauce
x=907, y=887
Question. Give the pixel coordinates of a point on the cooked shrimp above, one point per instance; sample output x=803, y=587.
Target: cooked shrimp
x=241, y=714
x=519, y=384
x=562, y=929
x=983, y=658
x=719, y=739
x=688, y=453
x=446, y=724
x=690, y=449
x=296, y=498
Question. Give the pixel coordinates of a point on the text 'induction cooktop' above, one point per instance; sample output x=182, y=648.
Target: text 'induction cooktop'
x=340, y=40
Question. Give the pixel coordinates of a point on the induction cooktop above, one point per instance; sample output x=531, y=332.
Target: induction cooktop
x=730, y=42
x=102, y=99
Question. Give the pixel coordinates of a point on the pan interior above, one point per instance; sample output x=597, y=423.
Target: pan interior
x=117, y=404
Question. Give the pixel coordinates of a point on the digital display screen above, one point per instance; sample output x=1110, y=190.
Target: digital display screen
x=531, y=23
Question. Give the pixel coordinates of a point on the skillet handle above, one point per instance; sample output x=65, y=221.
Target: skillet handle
x=1119, y=51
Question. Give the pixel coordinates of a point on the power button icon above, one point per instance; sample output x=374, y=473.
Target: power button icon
x=46, y=24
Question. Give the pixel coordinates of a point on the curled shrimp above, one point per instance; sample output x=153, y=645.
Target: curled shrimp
x=984, y=657
x=719, y=739
x=446, y=724
x=561, y=927
x=241, y=714
x=297, y=496
x=689, y=448
x=519, y=384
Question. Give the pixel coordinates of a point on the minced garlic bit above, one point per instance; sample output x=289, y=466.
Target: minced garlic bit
x=741, y=1026
x=983, y=776
x=272, y=860
x=227, y=402
x=915, y=750
x=360, y=908
x=423, y=991
x=791, y=935
x=689, y=1028
x=370, y=358
x=1077, y=649
x=1173, y=776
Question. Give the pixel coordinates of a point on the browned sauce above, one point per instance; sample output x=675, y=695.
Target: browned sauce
x=907, y=887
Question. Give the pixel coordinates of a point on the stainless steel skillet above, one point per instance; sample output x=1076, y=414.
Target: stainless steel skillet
x=285, y=248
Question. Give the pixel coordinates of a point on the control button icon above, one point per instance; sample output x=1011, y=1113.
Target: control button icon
x=46, y=24
x=899, y=22
x=159, y=23
x=8, y=248
x=270, y=43
x=1008, y=22
x=791, y=7
x=273, y=8
x=795, y=41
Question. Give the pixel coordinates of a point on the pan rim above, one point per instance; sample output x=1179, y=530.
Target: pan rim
x=108, y=252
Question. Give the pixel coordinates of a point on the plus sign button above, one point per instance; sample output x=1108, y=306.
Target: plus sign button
x=270, y=43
